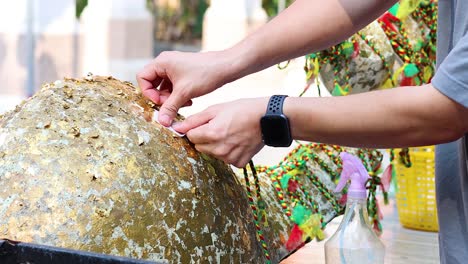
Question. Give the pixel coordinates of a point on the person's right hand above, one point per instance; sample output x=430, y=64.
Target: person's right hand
x=174, y=78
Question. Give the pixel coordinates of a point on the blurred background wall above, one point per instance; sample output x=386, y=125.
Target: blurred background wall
x=43, y=40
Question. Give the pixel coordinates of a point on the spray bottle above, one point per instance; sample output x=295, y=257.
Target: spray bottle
x=354, y=241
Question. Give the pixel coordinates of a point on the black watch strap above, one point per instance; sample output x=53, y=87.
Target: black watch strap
x=275, y=105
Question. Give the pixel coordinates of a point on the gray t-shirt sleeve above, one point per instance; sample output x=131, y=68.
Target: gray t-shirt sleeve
x=451, y=77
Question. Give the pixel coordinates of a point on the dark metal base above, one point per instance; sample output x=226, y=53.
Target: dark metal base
x=12, y=252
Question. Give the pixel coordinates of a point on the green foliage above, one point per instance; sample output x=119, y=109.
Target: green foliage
x=271, y=6
x=79, y=7
x=183, y=23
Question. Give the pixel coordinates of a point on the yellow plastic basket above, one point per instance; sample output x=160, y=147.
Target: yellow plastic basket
x=415, y=197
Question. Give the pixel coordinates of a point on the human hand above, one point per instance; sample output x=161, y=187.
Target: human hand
x=182, y=76
x=230, y=131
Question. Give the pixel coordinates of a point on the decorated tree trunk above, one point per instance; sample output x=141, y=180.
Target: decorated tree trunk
x=295, y=199
x=355, y=64
x=398, y=49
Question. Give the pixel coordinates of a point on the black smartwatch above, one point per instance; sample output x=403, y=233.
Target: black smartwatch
x=275, y=125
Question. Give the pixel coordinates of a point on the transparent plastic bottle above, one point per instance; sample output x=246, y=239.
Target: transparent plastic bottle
x=354, y=242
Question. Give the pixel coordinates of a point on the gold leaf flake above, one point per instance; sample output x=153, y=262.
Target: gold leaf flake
x=75, y=131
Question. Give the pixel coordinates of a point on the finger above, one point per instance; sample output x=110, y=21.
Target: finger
x=194, y=121
x=214, y=150
x=157, y=82
x=241, y=163
x=188, y=103
x=152, y=94
x=245, y=156
x=165, y=91
x=166, y=86
x=238, y=157
x=170, y=107
x=205, y=148
x=201, y=135
x=241, y=155
x=163, y=98
x=148, y=80
x=163, y=95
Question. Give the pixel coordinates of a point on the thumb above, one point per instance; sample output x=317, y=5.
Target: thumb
x=170, y=107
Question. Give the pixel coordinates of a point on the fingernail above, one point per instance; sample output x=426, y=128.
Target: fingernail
x=165, y=120
x=177, y=125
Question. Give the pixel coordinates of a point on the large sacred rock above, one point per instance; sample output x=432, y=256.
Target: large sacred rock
x=83, y=166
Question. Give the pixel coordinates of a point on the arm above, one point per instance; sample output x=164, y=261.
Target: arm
x=304, y=27
x=401, y=117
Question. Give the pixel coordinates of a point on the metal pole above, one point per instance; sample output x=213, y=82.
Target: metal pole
x=154, y=13
x=30, y=46
x=75, y=46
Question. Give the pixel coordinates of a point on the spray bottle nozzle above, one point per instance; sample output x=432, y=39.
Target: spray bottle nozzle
x=353, y=170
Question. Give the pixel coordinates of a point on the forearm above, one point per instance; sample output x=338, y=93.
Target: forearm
x=306, y=26
x=401, y=117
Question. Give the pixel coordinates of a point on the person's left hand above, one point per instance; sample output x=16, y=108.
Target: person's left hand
x=230, y=131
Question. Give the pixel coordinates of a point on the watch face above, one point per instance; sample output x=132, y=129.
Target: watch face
x=275, y=130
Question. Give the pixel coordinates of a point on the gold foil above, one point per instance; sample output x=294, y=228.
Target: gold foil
x=83, y=167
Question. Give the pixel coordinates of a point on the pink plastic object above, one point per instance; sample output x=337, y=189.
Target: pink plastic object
x=353, y=170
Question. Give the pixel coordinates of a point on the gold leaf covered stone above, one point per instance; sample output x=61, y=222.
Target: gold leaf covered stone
x=83, y=167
